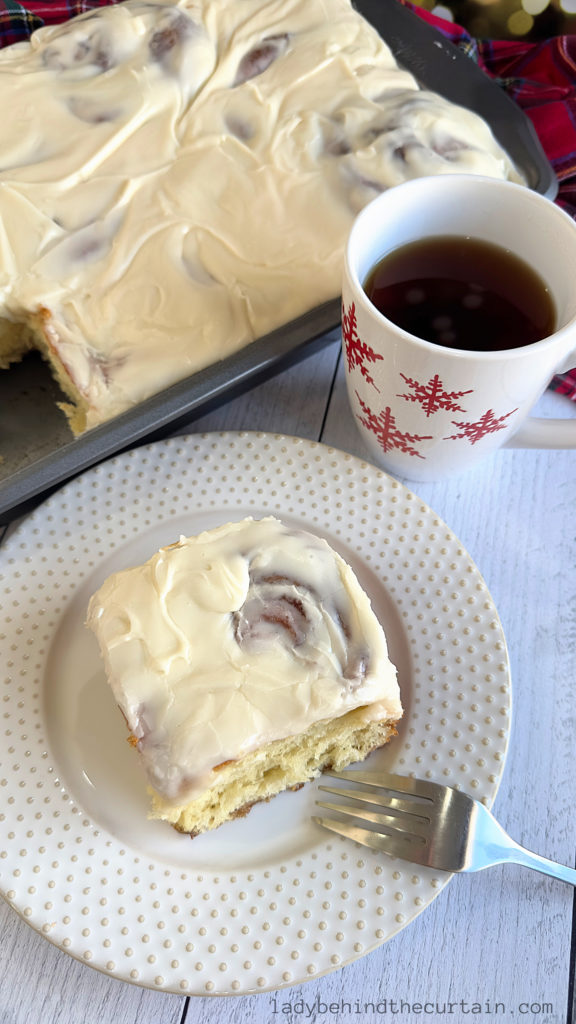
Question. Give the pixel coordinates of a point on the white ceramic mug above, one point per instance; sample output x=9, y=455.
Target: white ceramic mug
x=425, y=410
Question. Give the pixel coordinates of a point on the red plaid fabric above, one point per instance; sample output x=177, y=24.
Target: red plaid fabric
x=540, y=77
x=18, y=21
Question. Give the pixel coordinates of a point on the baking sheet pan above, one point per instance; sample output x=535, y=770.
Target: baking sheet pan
x=38, y=450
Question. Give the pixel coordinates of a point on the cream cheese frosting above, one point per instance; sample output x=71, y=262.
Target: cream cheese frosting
x=227, y=641
x=178, y=178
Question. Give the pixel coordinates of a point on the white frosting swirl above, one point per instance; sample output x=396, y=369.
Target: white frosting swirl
x=232, y=639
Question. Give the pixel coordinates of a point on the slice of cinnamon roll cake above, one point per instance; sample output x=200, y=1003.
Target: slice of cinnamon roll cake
x=245, y=660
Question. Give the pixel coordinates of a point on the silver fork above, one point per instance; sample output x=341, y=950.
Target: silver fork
x=426, y=823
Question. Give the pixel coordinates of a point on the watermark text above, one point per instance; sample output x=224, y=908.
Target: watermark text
x=403, y=1007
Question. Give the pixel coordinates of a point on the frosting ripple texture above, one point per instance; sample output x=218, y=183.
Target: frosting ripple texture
x=178, y=178
x=224, y=644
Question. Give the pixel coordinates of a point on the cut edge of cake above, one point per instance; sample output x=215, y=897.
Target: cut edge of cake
x=19, y=338
x=286, y=764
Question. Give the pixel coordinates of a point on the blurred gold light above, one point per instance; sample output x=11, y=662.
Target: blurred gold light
x=520, y=23
x=508, y=19
x=535, y=6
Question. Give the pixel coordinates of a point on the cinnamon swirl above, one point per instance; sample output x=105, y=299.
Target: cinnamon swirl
x=245, y=660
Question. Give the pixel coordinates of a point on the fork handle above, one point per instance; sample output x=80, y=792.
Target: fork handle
x=518, y=855
x=495, y=846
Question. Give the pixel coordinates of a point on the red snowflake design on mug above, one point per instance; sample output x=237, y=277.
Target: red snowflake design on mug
x=389, y=437
x=487, y=424
x=358, y=353
x=432, y=396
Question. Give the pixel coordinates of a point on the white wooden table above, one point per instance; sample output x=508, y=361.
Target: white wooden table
x=495, y=945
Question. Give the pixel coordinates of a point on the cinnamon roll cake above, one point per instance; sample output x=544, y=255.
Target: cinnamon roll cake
x=245, y=661
x=178, y=178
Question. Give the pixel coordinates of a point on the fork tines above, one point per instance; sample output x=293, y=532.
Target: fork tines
x=402, y=824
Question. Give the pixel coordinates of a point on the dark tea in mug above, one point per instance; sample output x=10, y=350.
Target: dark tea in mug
x=462, y=293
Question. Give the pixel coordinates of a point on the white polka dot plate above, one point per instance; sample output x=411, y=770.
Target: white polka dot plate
x=269, y=900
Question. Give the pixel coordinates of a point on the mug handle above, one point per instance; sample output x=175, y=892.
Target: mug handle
x=537, y=432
